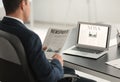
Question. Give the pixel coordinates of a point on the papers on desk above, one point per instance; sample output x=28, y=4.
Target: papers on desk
x=114, y=63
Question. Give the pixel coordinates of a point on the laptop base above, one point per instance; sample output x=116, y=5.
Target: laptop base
x=70, y=51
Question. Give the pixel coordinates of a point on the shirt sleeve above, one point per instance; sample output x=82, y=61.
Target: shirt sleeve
x=44, y=70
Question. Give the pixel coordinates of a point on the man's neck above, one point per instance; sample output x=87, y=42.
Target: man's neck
x=18, y=19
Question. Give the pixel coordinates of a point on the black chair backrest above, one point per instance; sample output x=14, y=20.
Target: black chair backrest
x=9, y=45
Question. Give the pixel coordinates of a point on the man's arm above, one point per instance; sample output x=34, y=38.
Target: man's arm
x=44, y=70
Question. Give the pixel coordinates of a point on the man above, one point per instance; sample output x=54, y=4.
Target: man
x=17, y=12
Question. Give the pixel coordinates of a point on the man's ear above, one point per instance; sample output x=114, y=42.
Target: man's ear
x=22, y=5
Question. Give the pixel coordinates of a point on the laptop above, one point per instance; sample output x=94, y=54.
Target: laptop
x=92, y=41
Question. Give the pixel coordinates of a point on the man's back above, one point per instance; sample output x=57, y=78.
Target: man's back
x=43, y=70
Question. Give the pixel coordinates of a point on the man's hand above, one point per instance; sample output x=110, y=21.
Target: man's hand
x=44, y=48
x=58, y=57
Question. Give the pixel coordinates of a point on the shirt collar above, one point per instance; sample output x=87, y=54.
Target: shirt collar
x=15, y=19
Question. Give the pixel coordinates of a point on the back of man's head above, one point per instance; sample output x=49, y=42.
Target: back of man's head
x=11, y=5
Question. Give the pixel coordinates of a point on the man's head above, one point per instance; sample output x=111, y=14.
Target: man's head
x=17, y=8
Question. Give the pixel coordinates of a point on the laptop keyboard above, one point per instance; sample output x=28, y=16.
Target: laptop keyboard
x=86, y=50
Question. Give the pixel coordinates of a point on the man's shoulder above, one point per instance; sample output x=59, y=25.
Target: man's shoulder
x=30, y=33
x=18, y=29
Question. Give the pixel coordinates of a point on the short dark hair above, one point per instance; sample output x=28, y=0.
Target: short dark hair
x=11, y=5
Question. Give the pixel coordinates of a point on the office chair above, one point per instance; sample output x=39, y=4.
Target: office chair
x=13, y=69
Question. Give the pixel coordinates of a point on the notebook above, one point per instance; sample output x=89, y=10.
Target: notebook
x=92, y=41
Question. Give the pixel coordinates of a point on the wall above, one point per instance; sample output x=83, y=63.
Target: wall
x=2, y=12
x=0, y=3
x=64, y=11
x=71, y=11
x=108, y=11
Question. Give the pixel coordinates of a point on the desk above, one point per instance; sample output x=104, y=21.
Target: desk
x=96, y=67
x=91, y=66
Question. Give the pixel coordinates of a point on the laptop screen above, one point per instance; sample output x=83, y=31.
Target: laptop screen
x=93, y=35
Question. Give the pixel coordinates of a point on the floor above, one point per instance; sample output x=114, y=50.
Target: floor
x=41, y=30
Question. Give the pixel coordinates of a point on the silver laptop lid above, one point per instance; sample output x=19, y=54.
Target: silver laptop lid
x=93, y=35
